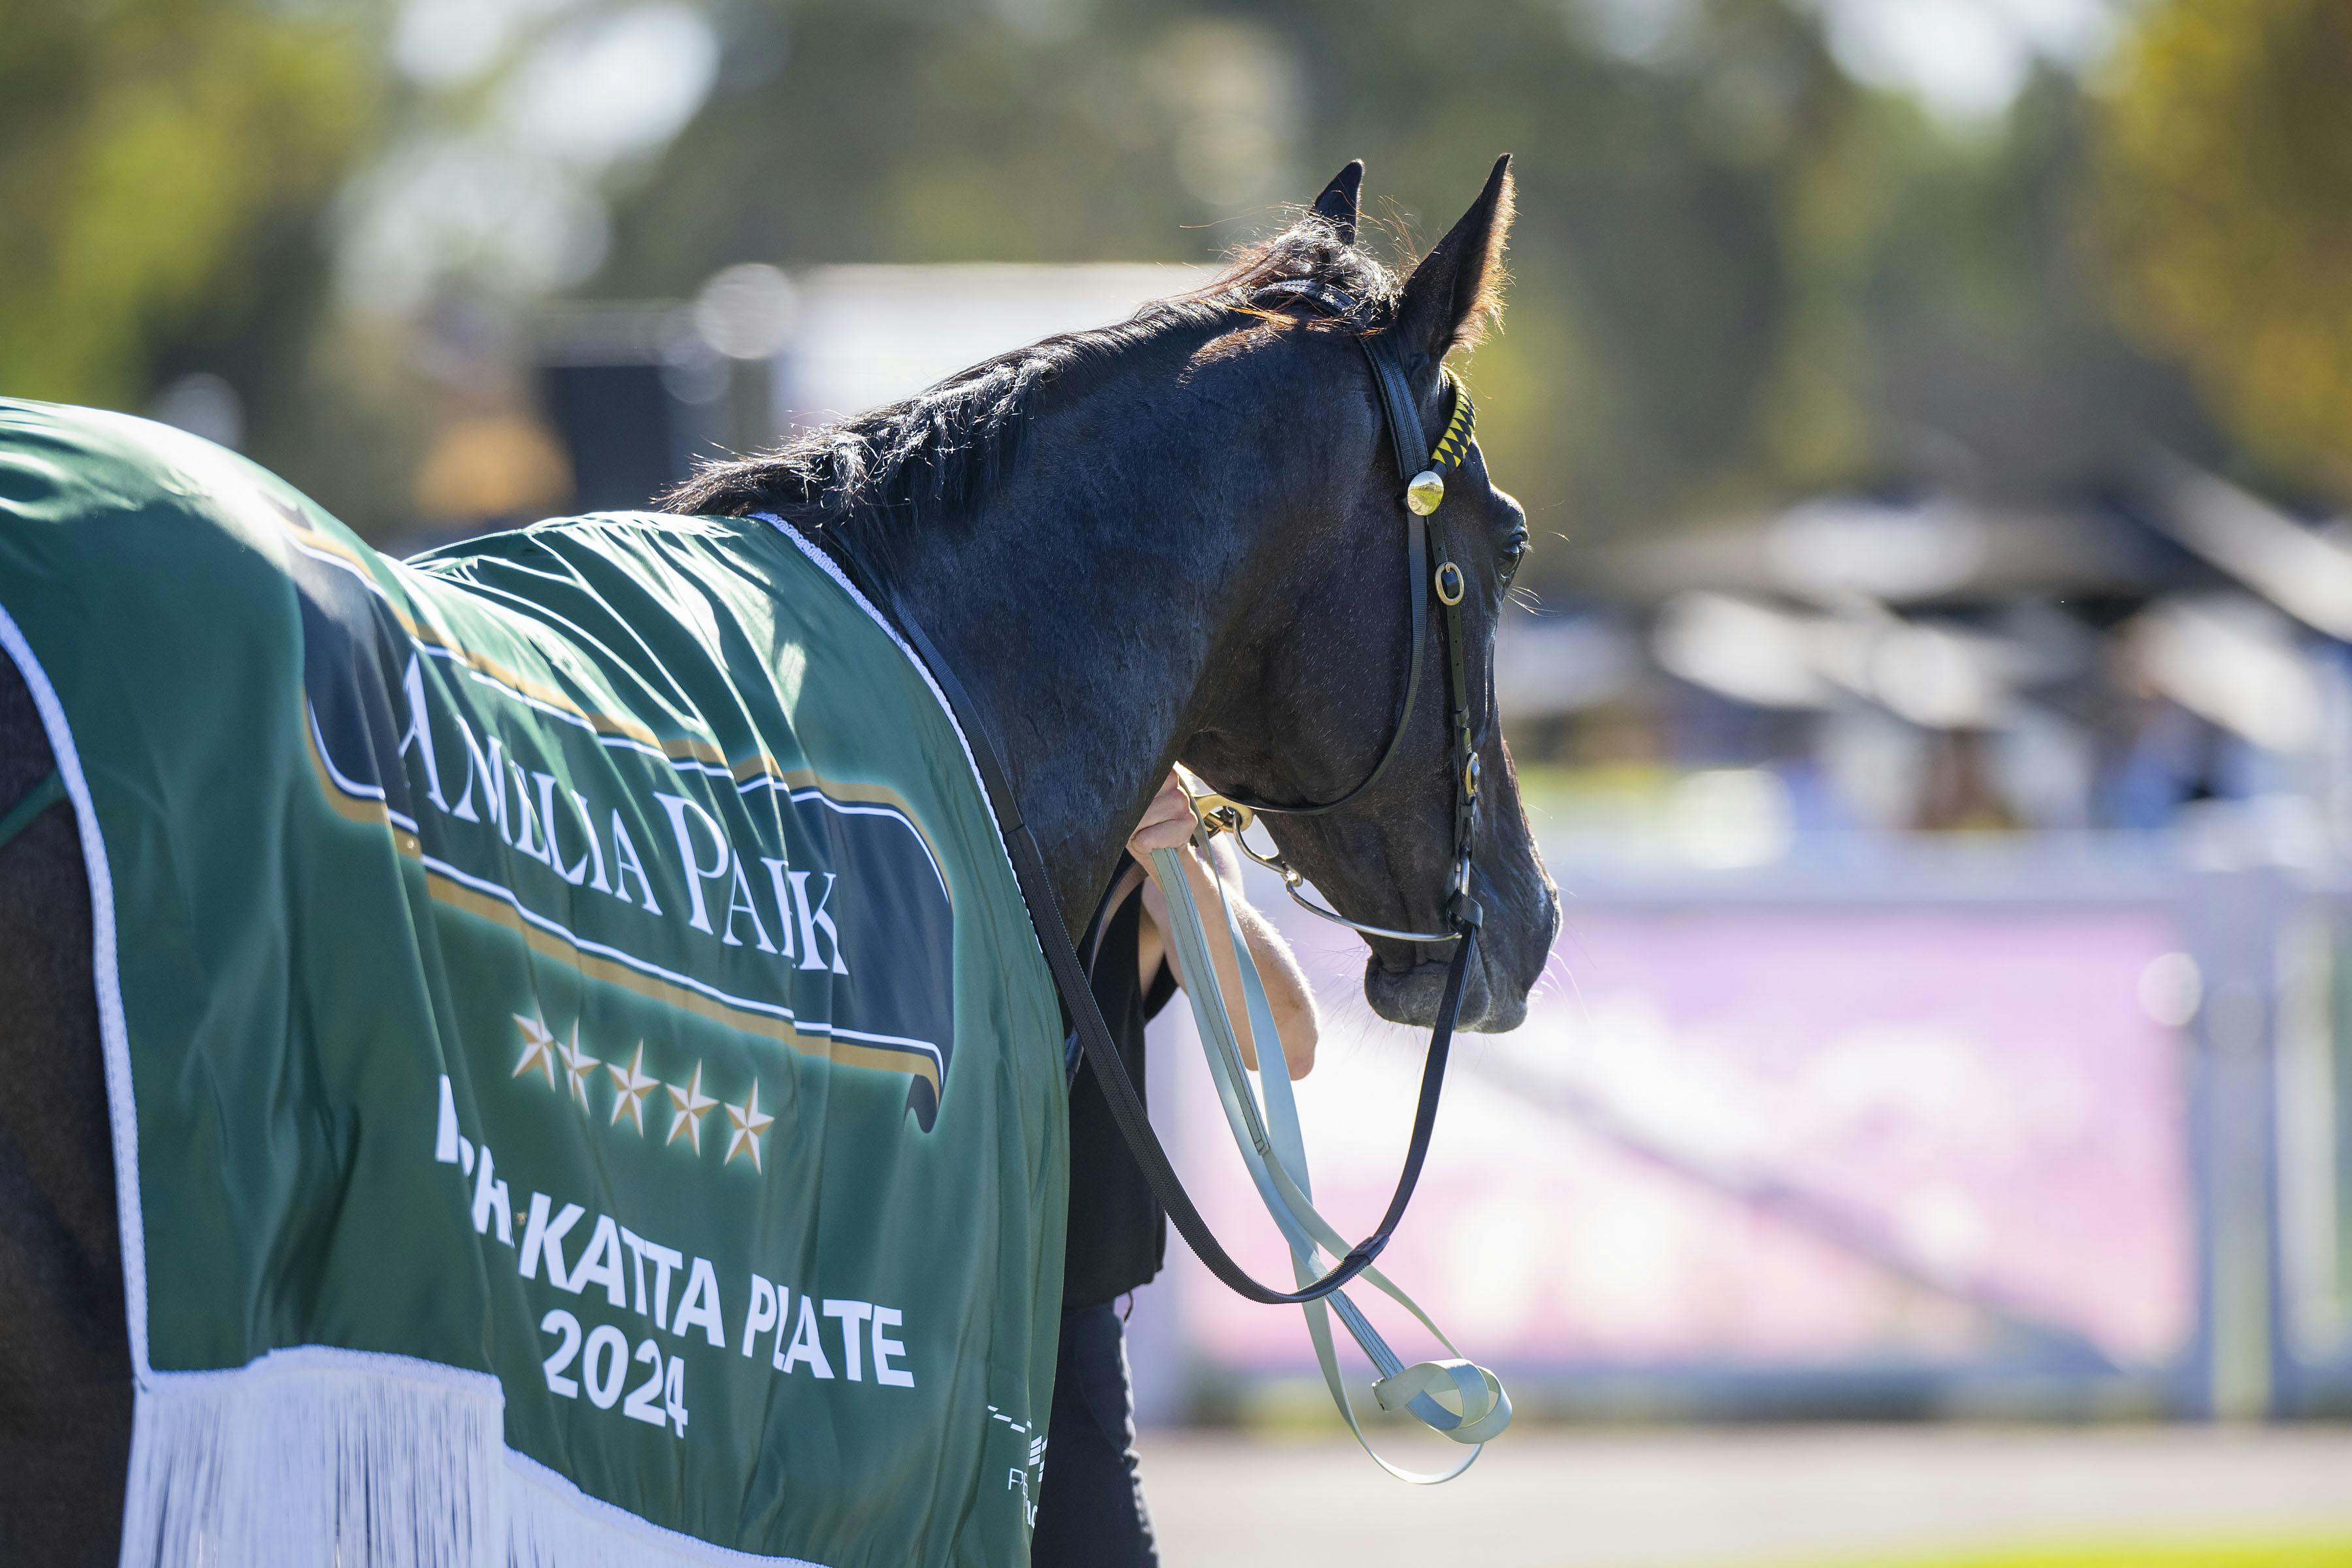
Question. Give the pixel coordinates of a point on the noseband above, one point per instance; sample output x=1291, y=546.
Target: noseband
x=1424, y=489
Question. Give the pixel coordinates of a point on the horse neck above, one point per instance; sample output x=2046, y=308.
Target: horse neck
x=1080, y=607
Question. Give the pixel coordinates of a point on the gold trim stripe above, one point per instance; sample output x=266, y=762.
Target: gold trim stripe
x=1454, y=445
x=548, y=944
x=353, y=808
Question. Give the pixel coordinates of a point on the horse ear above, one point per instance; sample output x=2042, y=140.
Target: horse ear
x=1337, y=205
x=1457, y=290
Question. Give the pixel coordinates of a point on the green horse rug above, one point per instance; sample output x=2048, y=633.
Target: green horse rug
x=585, y=1089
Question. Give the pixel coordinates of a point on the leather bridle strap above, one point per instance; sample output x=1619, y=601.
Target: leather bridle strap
x=1394, y=389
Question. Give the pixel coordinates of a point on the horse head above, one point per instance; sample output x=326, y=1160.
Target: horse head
x=1184, y=538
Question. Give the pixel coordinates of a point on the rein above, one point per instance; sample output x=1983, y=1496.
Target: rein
x=1453, y=1396
x=1424, y=490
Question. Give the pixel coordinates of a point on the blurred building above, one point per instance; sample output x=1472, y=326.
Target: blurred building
x=2116, y=656
x=638, y=393
x=865, y=336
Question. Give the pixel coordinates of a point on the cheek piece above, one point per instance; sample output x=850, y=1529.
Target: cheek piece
x=1424, y=492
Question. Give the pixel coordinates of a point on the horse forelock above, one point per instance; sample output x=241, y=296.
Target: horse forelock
x=948, y=447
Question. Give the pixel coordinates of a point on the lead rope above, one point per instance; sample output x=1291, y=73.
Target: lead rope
x=1454, y=1395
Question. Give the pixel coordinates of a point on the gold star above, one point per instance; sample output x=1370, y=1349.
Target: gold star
x=691, y=1104
x=748, y=1124
x=538, y=1046
x=579, y=1064
x=630, y=1086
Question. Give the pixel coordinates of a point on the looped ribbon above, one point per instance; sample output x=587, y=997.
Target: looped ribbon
x=1453, y=1395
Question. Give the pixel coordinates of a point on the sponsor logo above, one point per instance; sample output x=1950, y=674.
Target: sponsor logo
x=644, y=854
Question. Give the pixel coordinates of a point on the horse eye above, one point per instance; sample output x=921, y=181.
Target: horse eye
x=1513, y=553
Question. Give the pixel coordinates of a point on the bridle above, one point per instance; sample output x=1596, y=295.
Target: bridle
x=1424, y=490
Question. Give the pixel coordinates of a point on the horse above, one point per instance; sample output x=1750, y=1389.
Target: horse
x=1173, y=540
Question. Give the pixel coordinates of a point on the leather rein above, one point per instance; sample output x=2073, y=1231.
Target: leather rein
x=1424, y=491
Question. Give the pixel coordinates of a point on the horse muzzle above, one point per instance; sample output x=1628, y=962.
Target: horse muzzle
x=1411, y=996
x=1405, y=983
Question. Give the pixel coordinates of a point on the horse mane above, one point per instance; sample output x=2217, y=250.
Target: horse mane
x=947, y=449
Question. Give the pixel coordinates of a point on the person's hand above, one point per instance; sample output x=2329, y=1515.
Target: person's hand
x=1167, y=823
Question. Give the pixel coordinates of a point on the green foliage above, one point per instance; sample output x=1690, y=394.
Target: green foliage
x=2226, y=175
x=150, y=150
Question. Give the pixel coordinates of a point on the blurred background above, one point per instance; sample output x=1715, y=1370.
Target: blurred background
x=1934, y=692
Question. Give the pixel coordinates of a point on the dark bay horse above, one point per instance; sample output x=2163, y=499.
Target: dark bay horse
x=1177, y=539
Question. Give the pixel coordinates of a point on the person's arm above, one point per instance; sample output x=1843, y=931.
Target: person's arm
x=1168, y=825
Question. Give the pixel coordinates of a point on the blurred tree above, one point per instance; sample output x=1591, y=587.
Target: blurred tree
x=155, y=156
x=1648, y=342
x=2225, y=159
x=1948, y=282
x=1742, y=274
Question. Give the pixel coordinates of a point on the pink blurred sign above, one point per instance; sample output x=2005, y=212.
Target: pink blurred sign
x=1753, y=1136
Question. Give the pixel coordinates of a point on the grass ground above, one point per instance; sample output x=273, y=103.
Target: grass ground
x=2328, y=1552
x=1800, y=1497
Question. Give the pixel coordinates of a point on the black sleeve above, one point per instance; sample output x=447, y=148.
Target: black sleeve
x=1163, y=988
x=1163, y=984
x=1116, y=1234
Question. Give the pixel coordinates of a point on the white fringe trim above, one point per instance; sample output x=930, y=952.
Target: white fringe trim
x=365, y=1461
